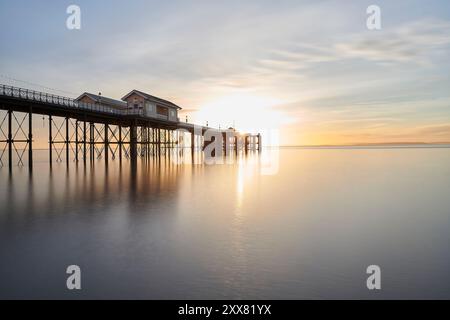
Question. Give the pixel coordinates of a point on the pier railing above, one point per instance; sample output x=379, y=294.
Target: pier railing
x=44, y=97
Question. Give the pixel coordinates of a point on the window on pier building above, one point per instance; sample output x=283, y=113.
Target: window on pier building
x=162, y=110
x=137, y=104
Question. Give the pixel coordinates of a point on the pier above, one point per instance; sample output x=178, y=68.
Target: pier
x=91, y=131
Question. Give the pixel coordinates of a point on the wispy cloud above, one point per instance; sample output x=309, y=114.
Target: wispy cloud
x=414, y=42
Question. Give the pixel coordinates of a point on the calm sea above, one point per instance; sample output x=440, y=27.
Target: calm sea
x=291, y=223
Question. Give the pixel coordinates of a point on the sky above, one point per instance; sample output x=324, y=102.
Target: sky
x=309, y=70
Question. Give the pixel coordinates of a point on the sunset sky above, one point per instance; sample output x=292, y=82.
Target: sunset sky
x=310, y=69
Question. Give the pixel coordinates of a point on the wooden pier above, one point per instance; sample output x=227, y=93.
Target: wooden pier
x=92, y=131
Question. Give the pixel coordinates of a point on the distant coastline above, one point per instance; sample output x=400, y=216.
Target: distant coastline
x=374, y=145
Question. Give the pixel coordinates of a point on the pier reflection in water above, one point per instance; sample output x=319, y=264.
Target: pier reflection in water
x=117, y=222
x=165, y=230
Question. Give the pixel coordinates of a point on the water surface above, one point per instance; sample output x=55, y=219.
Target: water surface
x=167, y=231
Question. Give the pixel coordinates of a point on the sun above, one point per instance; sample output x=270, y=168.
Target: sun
x=246, y=112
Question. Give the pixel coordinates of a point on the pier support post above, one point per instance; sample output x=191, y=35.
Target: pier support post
x=162, y=139
x=259, y=142
x=67, y=141
x=91, y=141
x=76, y=140
x=10, y=141
x=169, y=142
x=50, y=139
x=106, y=142
x=246, y=142
x=152, y=141
x=158, y=140
x=84, y=141
x=133, y=142
x=224, y=143
x=30, y=138
x=120, y=143
x=143, y=141
x=148, y=141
